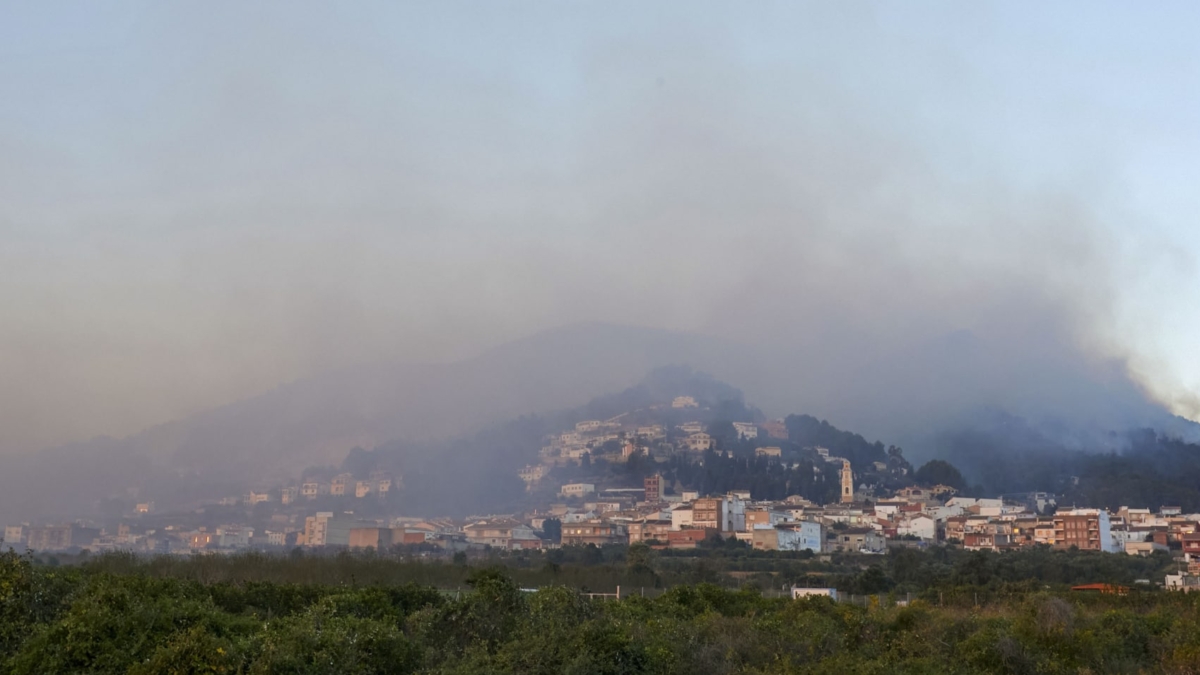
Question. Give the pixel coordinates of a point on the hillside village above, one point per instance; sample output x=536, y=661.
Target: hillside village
x=659, y=475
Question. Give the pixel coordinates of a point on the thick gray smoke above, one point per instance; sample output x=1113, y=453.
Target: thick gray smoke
x=900, y=216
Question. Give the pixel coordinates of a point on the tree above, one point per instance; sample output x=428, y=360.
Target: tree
x=940, y=472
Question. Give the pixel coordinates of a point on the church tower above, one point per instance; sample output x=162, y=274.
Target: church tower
x=847, y=482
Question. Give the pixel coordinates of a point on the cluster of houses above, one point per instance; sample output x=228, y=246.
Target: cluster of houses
x=617, y=439
x=912, y=516
x=377, y=485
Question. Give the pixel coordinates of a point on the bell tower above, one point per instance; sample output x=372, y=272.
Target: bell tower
x=847, y=482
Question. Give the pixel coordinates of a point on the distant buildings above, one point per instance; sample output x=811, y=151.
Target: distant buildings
x=14, y=537
x=503, y=533
x=328, y=529
x=596, y=532
x=746, y=430
x=793, y=536
x=775, y=429
x=60, y=537
x=684, y=402
x=652, y=488
x=577, y=489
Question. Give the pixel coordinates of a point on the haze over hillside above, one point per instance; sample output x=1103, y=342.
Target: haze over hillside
x=237, y=239
x=315, y=421
x=309, y=190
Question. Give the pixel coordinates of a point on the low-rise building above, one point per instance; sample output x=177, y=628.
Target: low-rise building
x=597, y=532
x=533, y=474
x=378, y=538
x=503, y=533
x=688, y=538
x=337, y=487
x=764, y=516
x=577, y=489
x=746, y=430
x=328, y=529
x=1191, y=545
x=60, y=537
x=858, y=540
x=795, y=536
x=649, y=529
x=1144, y=548
x=14, y=537
x=921, y=526
x=775, y=429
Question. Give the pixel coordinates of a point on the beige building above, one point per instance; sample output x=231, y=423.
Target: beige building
x=60, y=537
x=337, y=487
x=649, y=529
x=859, y=540
x=577, y=489
x=504, y=533
x=598, y=533
x=328, y=529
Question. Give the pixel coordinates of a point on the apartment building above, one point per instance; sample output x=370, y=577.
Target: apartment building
x=328, y=529
x=597, y=532
x=1086, y=529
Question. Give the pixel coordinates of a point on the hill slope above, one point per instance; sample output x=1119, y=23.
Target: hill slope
x=316, y=420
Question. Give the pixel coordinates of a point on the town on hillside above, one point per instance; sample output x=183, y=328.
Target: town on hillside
x=669, y=474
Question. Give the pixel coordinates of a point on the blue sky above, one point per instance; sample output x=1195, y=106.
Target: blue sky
x=198, y=201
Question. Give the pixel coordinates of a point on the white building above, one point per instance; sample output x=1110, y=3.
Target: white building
x=257, y=498
x=746, y=430
x=652, y=432
x=798, y=593
x=920, y=525
x=14, y=537
x=681, y=517
x=577, y=489
x=802, y=535
x=684, y=402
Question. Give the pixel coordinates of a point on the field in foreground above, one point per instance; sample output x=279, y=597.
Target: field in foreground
x=117, y=615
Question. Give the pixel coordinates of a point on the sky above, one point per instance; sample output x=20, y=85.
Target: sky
x=199, y=201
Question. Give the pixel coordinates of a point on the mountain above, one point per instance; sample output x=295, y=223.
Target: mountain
x=911, y=396
x=316, y=420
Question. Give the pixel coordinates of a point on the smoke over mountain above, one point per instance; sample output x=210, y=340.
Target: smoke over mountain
x=891, y=219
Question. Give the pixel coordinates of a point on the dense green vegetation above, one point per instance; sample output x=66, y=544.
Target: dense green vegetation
x=971, y=613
